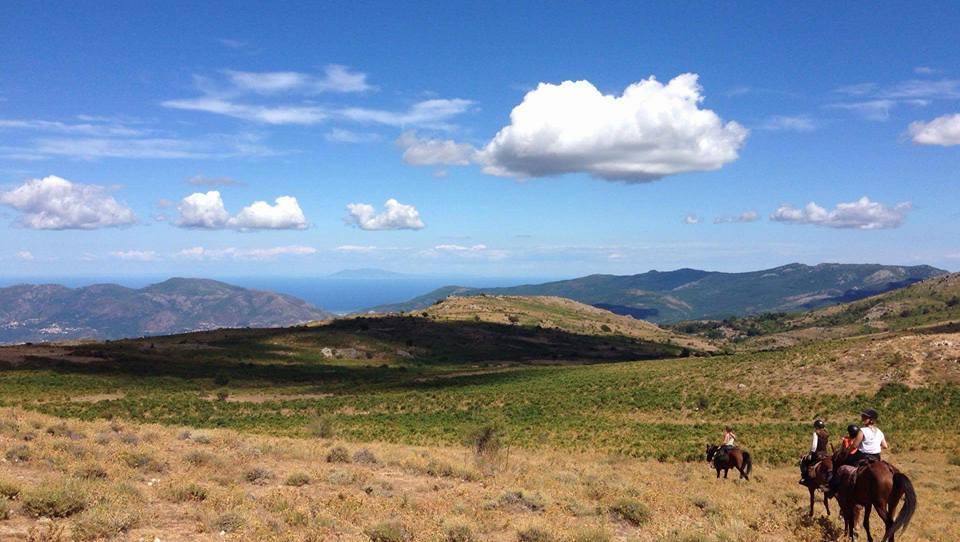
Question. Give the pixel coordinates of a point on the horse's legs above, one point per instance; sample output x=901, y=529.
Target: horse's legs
x=811, y=500
x=725, y=472
x=867, y=508
x=718, y=473
x=881, y=507
x=826, y=503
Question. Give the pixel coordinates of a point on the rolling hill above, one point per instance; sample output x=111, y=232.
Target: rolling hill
x=930, y=305
x=107, y=311
x=688, y=294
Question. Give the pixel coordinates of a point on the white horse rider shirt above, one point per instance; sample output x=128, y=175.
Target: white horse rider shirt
x=872, y=437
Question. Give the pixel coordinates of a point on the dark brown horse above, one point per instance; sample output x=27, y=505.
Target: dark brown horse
x=818, y=478
x=878, y=485
x=724, y=460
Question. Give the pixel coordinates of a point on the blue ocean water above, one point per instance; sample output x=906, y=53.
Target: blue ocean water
x=338, y=295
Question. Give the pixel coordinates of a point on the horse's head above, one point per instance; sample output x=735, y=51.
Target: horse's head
x=711, y=451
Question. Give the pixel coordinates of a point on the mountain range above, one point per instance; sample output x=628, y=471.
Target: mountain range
x=691, y=294
x=50, y=312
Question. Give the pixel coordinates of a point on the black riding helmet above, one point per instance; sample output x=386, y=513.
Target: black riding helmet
x=870, y=413
x=852, y=430
x=818, y=424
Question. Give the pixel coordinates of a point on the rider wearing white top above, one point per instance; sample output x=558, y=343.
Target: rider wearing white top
x=872, y=442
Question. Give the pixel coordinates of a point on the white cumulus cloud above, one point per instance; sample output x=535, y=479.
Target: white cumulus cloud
x=691, y=219
x=54, y=203
x=862, y=214
x=207, y=211
x=285, y=214
x=430, y=152
x=202, y=210
x=651, y=131
x=394, y=216
x=944, y=131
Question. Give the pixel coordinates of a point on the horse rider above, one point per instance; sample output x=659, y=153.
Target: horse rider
x=847, y=446
x=818, y=450
x=729, y=440
x=868, y=443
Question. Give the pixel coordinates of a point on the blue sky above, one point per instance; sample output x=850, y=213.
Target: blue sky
x=386, y=130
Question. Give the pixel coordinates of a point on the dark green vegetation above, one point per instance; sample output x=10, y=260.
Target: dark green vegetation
x=933, y=302
x=688, y=294
x=106, y=311
x=419, y=381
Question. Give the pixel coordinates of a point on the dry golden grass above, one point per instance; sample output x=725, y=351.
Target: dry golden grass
x=201, y=486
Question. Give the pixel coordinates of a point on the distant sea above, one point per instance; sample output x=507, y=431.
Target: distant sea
x=338, y=295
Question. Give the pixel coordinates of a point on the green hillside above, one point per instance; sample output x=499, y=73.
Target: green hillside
x=688, y=294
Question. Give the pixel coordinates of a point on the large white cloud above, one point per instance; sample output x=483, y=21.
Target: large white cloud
x=285, y=214
x=862, y=214
x=394, y=216
x=203, y=210
x=207, y=211
x=651, y=131
x=54, y=203
x=429, y=152
x=944, y=131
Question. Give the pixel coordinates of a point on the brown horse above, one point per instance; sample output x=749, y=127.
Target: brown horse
x=819, y=477
x=724, y=460
x=877, y=485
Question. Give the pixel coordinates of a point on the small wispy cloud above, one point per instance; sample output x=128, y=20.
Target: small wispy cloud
x=691, y=219
x=203, y=180
x=742, y=218
x=791, y=123
x=251, y=254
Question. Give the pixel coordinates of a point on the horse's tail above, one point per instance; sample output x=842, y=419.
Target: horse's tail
x=747, y=463
x=903, y=486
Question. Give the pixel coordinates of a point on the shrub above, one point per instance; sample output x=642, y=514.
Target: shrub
x=459, y=533
x=142, y=461
x=198, y=458
x=91, y=472
x=534, y=534
x=227, y=522
x=201, y=439
x=105, y=521
x=953, y=459
x=222, y=395
x=486, y=440
x=338, y=454
x=186, y=493
x=4, y=510
x=605, y=328
x=18, y=454
x=322, y=427
x=631, y=511
x=9, y=490
x=130, y=438
x=257, y=475
x=590, y=534
x=364, y=455
x=62, y=431
x=389, y=531
x=531, y=502
x=54, y=500
x=297, y=479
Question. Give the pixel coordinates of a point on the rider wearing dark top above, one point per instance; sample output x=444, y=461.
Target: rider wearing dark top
x=818, y=450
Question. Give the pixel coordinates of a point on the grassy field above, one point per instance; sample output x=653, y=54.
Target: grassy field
x=593, y=427
x=276, y=382
x=116, y=480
